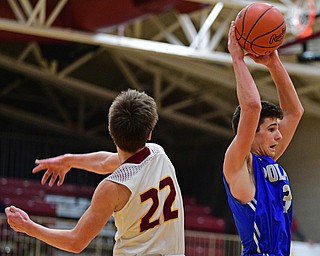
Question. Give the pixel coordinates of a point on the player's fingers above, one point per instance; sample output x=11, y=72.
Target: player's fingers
x=61, y=180
x=41, y=161
x=250, y=55
x=12, y=208
x=7, y=210
x=14, y=227
x=255, y=58
x=53, y=179
x=38, y=168
x=230, y=30
x=45, y=177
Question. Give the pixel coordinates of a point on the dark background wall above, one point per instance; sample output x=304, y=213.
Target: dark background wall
x=198, y=166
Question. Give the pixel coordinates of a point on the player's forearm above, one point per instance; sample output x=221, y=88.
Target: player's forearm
x=98, y=162
x=63, y=239
x=288, y=97
x=248, y=94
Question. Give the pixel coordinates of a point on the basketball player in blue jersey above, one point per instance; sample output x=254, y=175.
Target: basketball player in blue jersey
x=257, y=187
x=141, y=192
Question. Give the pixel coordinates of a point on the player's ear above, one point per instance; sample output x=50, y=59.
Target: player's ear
x=150, y=135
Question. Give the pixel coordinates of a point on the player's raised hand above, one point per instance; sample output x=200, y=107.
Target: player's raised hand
x=266, y=60
x=233, y=45
x=55, y=168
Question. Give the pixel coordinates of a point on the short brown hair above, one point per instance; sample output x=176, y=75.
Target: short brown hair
x=132, y=116
x=268, y=110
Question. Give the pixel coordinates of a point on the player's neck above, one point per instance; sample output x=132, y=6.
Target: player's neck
x=124, y=155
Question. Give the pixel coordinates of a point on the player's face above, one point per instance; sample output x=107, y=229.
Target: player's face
x=267, y=138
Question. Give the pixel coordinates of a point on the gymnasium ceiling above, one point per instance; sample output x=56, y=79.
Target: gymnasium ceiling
x=63, y=61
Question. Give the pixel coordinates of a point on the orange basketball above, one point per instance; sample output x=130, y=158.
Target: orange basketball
x=260, y=28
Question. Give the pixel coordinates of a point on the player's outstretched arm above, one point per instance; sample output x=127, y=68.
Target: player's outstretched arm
x=57, y=167
x=89, y=225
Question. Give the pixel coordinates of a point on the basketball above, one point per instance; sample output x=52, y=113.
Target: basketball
x=260, y=28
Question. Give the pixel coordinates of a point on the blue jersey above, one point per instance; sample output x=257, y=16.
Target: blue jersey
x=264, y=223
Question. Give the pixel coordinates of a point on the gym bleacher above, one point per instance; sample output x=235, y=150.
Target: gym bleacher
x=42, y=200
x=204, y=232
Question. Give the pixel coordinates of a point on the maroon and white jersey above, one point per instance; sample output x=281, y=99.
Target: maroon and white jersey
x=152, y=221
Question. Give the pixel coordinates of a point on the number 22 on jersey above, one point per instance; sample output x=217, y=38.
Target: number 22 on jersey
x=153, y=194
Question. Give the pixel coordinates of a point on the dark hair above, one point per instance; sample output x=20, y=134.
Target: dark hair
x=132, y=116
x=268, y=110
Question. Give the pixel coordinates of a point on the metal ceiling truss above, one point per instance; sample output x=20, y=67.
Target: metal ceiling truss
x=180, y=59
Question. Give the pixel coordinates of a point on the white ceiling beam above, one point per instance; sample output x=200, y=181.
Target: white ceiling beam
x=55, y=13
x=143, y=46
x=187, y=26
x=205, y=28
x=16, y=10
x=221, y=31
x=239, y=4
x=164, y=31
x=113, y=41
x=37, y=16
